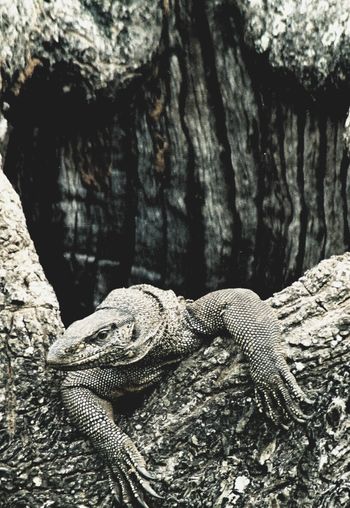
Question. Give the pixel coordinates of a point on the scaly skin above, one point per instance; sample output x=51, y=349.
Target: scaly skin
x=129, y=343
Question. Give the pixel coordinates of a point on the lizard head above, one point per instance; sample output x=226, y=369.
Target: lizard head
x=106, y=338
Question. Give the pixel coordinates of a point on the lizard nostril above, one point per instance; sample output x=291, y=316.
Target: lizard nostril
x=69, y=349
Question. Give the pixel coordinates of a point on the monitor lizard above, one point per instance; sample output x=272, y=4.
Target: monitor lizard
x=128, y=344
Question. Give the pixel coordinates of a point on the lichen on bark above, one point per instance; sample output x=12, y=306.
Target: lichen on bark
x=310, y=39
x=104, y=44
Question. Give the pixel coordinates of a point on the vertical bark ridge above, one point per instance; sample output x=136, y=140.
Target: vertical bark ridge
x=230, y=251
x=320, y=184
x=238, y=118
x=345, y=194
x=334, y=225
x=213, y=169
x=303, y=216
x=195, y=269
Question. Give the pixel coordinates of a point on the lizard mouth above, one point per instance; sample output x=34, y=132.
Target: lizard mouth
x=99, y=359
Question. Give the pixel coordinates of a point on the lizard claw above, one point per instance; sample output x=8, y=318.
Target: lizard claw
x=128, y=477
x=151, y=491
x=143, y=472
x=307, y=400
x=280, y=395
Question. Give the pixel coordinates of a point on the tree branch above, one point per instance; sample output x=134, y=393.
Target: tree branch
x=199, y=429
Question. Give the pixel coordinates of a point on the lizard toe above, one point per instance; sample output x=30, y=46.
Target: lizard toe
x=292, y=384
x=147, y=487
x=135, y=475
x=292, y=407
x=259, y=401
x=271, y=409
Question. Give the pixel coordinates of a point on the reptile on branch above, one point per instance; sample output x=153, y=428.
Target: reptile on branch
x=130, y=342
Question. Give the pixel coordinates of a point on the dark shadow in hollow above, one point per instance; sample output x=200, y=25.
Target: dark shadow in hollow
x=72, y=166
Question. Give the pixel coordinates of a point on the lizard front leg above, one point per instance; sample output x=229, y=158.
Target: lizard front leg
x=93, y=416
x=254, y=327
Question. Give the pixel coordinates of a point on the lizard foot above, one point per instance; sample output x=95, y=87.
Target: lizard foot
x=279, y=395
x=128, y=477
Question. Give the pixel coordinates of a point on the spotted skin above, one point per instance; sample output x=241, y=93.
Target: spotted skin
x=130, y=342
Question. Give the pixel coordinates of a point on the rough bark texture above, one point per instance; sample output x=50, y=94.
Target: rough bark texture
x=191, y=145
x=199, y=430
x=105, y=44
x=310, y=38
x=202, y=431
x=29, y=319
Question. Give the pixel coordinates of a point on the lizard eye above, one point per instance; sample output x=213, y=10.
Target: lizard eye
x=99, y=336
x=102, y=334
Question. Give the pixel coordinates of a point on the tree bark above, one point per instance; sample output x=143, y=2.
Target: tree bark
x=205, y=436
x=189, y=145
x=199, y=429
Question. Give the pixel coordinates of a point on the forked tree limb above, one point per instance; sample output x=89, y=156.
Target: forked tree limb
x=199, y=429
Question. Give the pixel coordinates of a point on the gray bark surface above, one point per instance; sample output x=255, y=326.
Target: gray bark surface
x=311, y=39
x=105, y=44
x=29, y=320
x=188, y=145
x=191, y=145
x=203, y=432
x=199, y=429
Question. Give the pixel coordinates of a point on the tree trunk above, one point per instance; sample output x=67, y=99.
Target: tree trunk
x=199, y=429
x=191, y=145
x=202, y=431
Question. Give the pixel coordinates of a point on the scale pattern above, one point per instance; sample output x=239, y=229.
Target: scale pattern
x=130, y=342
